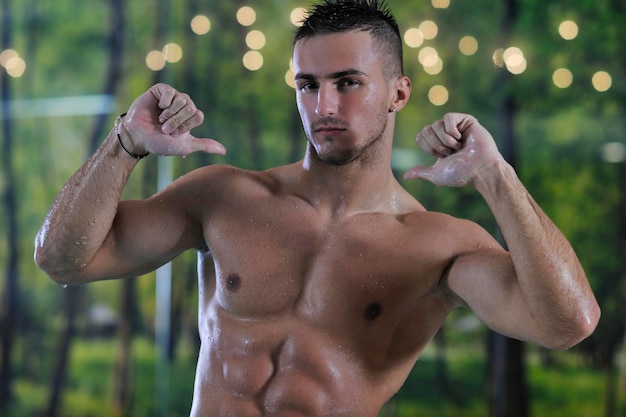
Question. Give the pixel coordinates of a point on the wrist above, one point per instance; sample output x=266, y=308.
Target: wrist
x=491, y=177
x=117, y=126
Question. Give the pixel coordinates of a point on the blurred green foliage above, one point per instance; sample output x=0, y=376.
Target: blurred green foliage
x=560, y=136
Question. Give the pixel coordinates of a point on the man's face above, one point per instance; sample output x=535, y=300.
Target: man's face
x=342, y=95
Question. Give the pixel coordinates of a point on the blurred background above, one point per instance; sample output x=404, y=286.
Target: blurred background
x=547, y=78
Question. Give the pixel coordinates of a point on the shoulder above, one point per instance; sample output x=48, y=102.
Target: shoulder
x=224, y=179
x=448, y=238
x=222, y=186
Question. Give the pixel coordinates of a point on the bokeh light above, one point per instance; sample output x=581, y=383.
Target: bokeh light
x=614, y=152
x=562, y=78
x=255, y=40
x=438, y=95
x=200, y=25
x=11, y=61
x=602, y=81
x=297, y=16
x=498, y=57
x=253, y=60
x=414, y=38
x=428, y=56
x=440, y=4
x=155, y=60
x=246, y=16
x=172, y=53
x=468, y=45
x=568, y=30
x=514, y=60
x=429, y=29
x=6, y=55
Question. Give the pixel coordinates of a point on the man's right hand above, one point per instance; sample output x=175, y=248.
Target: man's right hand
x=160, y=120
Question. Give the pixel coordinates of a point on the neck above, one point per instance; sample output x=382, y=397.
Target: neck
x=363, y=185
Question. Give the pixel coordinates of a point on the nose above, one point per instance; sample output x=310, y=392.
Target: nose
x=327, y=101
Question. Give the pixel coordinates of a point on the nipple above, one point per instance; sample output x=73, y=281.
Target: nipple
x=233, y=282
x=373, y=311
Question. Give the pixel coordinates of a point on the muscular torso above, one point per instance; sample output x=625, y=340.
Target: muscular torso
x=306, y=315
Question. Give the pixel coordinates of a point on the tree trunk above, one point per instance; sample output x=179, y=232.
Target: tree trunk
x=122, y=379
x=72, y=295
x=611, y=389
x=9, y=307
x=508, y=390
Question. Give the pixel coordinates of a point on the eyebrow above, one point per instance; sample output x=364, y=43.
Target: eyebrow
x=334, y=75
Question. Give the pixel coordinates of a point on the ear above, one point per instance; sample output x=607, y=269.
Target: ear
x=401, y=91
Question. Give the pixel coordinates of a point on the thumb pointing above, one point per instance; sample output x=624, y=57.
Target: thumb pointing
x=209, y=146
x=418, y=173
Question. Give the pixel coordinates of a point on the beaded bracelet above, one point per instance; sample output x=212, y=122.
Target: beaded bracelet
x=116, y=126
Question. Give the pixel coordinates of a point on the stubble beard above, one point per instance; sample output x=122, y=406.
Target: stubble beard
x=366, y=154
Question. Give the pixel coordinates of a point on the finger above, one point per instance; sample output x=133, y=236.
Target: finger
x=184, y=120
x=428, y=139
x=418, y=173
x=163, y=93
x=213, y=147
x=179, y=108
x=451, y=124
x=448, y=141
x=196, y=119
x=205, y=145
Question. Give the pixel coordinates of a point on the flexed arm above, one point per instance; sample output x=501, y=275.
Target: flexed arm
x=540, y=293
x=88, y=234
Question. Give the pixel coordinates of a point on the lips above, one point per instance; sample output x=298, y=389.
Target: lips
x=327, y=127
x=329, y=130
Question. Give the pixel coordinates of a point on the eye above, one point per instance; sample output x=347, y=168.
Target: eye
x=307, y=86
x=348, y=83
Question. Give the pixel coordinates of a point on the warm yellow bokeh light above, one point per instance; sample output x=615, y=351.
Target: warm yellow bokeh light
x=514, y=60
x=438, y=95
x=290, y=78
x=200, y=25
x=246, y=16
x=498, y=58
x=428, y=56
x=435, y=68
x=568, y=30
x=253, y=60
x=414, y=38
x=172, y=53
x=602, y=81
x=440, y=4
x=255, y=40
x=562, y=78
x=155, y=60
x=468, y=45
x=16, y=67
x=11, y=61
x=297, y=16
x=429, y=29
x=6, y=55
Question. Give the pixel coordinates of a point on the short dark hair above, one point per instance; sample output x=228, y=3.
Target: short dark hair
x=373, y=16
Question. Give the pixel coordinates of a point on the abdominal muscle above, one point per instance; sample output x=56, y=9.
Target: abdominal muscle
x=277, y=367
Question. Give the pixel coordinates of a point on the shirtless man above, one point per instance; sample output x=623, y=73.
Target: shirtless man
x=321, y=282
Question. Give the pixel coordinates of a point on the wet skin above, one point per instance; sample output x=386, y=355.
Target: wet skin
x=303, y=314
x=321, y=282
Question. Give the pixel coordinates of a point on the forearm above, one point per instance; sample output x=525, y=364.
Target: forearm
x=551, y=279
x=83, y=213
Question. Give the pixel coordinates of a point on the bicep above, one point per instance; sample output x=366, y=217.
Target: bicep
x=485, y=281
x=145, y=234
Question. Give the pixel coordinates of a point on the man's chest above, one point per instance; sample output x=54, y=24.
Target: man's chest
x=361, y=269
